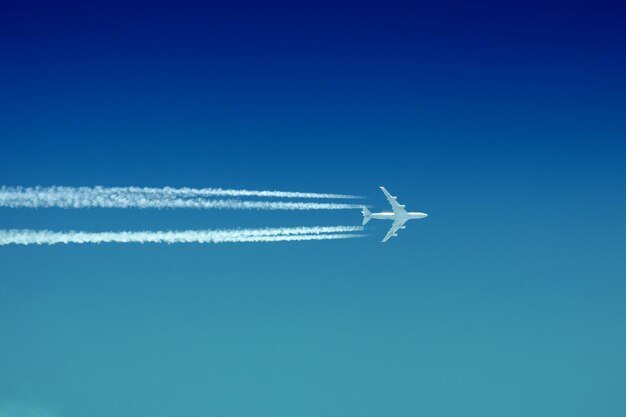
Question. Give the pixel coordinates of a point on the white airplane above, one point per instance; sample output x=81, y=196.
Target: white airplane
x=399, y=215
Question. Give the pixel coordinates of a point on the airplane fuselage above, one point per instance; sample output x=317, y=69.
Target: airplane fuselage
x=398, y=216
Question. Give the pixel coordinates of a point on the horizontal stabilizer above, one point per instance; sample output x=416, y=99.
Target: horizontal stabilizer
x=366, y=215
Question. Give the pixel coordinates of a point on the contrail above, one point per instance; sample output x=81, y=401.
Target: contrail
x=47, y=237
x=184, y=192
x=212, y=192
x=143, y=198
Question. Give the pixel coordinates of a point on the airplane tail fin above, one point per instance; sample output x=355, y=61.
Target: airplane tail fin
x=366, y=215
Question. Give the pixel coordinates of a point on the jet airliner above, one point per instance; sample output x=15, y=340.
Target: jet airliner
x=399, y=215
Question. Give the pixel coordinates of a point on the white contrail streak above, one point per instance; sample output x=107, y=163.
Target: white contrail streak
x=47, y=237
x=212, y=192
x=184, y=192
x=134, y=197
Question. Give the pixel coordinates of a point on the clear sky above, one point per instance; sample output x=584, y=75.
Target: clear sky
x=505, y=122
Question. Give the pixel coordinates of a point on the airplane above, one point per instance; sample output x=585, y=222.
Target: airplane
x=399, y=215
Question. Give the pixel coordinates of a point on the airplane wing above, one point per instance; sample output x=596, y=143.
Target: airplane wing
x=394, y=228
x=397, y=207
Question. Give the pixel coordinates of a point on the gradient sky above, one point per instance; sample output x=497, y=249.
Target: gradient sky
x=506, y=122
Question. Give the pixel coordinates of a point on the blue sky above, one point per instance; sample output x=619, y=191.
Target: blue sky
x=505, y=122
